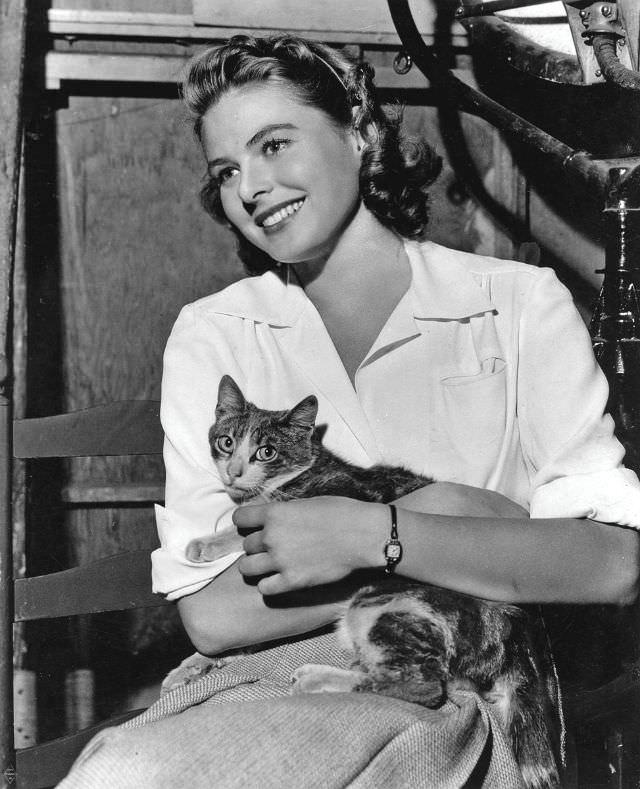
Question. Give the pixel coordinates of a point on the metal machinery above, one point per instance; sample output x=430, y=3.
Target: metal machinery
x=599, y=151
x=585, y=131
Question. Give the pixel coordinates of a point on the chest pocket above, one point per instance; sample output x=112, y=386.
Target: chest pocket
x=474, y=412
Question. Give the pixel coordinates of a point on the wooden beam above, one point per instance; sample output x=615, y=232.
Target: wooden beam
x=47, y=764
x=358, y=15
x=126, y=427
x=117, y=494
x=70, y=23
x=12, y=36
x=168, y=70
x=115, y=583
x=12, y=49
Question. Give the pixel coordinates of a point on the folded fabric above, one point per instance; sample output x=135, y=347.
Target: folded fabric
x=237, y=727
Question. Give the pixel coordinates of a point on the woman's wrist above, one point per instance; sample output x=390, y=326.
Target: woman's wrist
x=376, y=530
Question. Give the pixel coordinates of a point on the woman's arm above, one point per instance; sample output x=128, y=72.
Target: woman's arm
x=230, y=612
x=305, y=543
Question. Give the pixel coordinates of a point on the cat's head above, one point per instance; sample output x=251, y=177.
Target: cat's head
x=255, y=450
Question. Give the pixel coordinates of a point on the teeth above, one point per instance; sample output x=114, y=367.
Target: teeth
x=273, y=219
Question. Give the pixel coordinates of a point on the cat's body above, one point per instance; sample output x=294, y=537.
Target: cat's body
x=409, y=640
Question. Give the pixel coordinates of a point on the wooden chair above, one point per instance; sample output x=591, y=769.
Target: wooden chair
x=607, y=716
x=115, y=583
x=605, y=726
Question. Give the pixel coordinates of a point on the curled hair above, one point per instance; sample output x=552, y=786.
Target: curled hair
x=395, y=171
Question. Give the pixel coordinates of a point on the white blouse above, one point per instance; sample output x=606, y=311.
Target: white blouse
x=483, y=375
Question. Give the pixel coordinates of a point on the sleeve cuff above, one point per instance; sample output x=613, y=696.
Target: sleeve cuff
x=172, y=574
x=611, y=496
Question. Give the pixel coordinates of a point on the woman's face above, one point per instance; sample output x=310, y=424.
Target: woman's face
x=288, y=177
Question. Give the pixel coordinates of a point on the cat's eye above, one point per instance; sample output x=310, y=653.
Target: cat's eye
x=224, y=444
x=266, y=453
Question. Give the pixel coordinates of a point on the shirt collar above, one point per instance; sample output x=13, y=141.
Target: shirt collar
x=442, y=288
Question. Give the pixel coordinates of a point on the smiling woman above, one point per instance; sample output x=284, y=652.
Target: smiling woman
x=448, y=364
x=287, y=175
x=336, y=99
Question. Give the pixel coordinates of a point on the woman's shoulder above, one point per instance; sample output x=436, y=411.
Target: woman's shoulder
x=257, y=298
x=476, y=263
x=455, y=274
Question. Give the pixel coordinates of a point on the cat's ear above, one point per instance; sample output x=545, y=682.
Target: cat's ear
x=230, y=398
x=304, y=414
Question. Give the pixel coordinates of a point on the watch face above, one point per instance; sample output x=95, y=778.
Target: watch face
x=393, y=551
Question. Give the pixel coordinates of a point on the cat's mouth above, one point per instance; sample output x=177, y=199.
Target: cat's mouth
x=240, y=495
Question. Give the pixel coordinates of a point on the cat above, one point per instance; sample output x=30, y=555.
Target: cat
x=409, y=640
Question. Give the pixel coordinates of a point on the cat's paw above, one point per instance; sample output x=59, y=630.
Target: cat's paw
x=190, y=670
x=316, y=678
x=195, y=551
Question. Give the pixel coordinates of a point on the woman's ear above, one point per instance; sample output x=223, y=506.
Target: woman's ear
x=365, y=132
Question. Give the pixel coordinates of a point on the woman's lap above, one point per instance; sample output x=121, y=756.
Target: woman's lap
x=317, y=740
x=239, y=727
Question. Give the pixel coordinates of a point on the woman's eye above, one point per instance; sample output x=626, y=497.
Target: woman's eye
x=266, y=453
x=272, y=147
x=225, y=175
x=224, y=444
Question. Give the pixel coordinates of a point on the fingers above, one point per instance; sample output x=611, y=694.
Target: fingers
x=258, y=564
x=254, y=542
x=249, y=517
x=273, y=584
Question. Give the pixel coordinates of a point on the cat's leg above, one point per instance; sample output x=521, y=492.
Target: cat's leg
x=402, y=653
x=316, y=678
x=208, y=549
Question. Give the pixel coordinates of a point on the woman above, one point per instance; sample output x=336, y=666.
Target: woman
x=472, y=370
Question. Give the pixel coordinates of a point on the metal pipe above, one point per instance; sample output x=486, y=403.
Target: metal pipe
x=605, y=51
x=490, y=6
x=574, y=162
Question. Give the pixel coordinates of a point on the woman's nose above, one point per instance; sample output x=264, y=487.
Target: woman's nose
x=253, y=182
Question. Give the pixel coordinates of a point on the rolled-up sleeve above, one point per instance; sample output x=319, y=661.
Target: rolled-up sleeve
x=575, y=461
x=196, y=504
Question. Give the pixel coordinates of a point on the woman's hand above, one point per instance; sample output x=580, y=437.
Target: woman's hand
x=309, y=542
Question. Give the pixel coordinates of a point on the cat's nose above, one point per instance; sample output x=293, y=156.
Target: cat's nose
x=235, y=468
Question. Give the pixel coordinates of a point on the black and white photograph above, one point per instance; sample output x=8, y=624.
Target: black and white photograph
x=320, y=394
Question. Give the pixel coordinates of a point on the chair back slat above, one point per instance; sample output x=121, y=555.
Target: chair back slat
x=115, y=583
x=47, y=764
x=128, y=427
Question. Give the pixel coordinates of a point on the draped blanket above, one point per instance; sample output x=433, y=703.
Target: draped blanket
x=237, y=727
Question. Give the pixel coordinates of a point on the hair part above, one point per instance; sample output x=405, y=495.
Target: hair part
x=395, y=172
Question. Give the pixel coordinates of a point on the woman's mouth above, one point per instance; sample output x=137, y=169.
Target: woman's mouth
x=273, y=218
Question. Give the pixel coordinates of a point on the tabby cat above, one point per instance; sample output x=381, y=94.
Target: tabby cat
x=409, y=640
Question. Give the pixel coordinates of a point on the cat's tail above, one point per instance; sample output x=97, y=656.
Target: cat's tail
x=532, y=743
x=536, y=725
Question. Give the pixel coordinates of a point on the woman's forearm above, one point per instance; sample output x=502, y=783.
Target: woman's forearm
x=230, y=613
x=512, y=559
x=484, y=545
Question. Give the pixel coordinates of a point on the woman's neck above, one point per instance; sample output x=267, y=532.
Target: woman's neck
x=357, y=287
x=368, y=259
